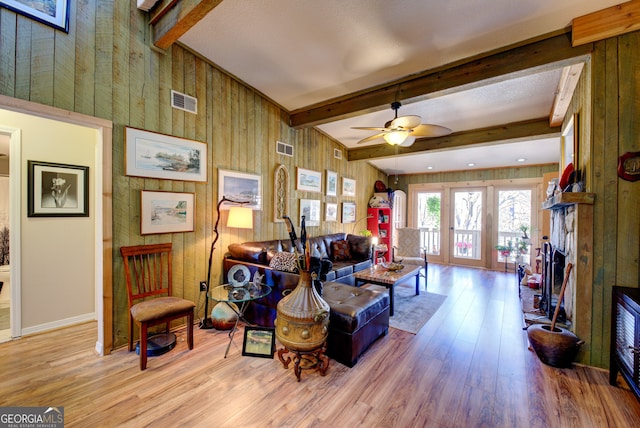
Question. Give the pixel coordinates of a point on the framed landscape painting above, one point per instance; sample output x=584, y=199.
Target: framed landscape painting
x=332, y=183
x=309, y=180
x=166, y=212
x=348, y=212
x=240, y=187
x=153, y=155
x=348, y=187
x=54, y=13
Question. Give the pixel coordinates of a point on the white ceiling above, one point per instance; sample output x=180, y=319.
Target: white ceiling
x=301, y=52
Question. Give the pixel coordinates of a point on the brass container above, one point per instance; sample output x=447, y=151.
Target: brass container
x=302, y=321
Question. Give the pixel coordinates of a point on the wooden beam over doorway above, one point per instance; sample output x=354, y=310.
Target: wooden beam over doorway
x=545, y=53
x=508, y=133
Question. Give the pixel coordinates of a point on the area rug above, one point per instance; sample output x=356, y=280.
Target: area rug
x=411, y=312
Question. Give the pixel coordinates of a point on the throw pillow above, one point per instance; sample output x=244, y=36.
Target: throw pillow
x=284, y=261
x=341, y=251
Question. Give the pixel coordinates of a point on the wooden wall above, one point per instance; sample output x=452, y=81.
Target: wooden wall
x=104, y=67
x=612, y=95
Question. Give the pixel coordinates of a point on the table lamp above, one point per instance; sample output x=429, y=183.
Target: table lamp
x=239, y=217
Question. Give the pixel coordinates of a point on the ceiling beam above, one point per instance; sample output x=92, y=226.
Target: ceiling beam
x=175, y=18
x=605, y=23
x=564, y=93
x=551, y=51
x=508, y=133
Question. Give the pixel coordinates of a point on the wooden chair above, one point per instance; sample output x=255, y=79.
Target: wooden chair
x=409, y=249
x=147, y=270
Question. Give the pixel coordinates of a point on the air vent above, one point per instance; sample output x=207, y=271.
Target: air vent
x=337, y=153
x=284, y=148
x=184, y=102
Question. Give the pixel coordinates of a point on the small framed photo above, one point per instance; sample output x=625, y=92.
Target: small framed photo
x=310, y=208
x=348, y=212
x=154, y=155
x=54, y=13
x=348, y=187
x=57, y=190
x=240, y=187
x=332, y=183
x=308, y=180
x=259, y=342
x=166, y=212
x=331, y=212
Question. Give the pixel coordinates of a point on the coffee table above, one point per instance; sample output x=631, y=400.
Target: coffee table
x=381, y=276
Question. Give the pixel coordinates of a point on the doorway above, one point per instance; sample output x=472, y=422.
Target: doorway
x=476, y=218
x=466, y=237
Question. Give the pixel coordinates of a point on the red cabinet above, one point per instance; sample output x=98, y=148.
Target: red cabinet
x=379, y=223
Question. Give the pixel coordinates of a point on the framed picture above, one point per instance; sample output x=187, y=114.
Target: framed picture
x=259, y=342
x=332, y=183
x=348, y=187
x=57, y=190
x=348, y=212
x=153, y=155
x=331, y=212
x=310, y=208
x=54, y=13
x=240, y=187
x=166, y=212
x=310, y=181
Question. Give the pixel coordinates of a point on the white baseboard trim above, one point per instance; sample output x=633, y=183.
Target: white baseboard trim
x=59, y=324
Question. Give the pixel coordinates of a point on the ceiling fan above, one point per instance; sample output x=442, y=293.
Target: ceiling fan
x=402, y=131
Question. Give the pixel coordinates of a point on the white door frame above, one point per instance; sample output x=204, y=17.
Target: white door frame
x=103, y=228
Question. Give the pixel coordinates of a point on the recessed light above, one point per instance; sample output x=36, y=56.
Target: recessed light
x=521, y=159
x=429, y=167
x=471, y=164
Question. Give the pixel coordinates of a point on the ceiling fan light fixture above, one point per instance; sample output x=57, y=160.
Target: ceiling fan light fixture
x=396, y=137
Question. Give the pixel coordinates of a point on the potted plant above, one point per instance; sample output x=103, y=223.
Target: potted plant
x=505, y=250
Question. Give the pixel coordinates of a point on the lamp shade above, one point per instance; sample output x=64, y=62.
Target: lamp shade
x=240, y=217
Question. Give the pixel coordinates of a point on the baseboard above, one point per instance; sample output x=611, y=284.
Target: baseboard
x=59, y=324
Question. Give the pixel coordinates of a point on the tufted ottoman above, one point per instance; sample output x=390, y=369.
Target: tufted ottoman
x=358, y=318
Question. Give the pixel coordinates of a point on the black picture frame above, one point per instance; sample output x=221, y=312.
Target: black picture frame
x=56, y=16
x=57, y=190
x=259, y=342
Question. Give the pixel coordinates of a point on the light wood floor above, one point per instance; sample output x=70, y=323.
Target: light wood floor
x=468, y=367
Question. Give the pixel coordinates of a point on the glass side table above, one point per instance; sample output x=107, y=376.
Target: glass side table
x=241, y=296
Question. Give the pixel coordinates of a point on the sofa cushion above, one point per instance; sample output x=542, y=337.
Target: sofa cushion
x=342, y=269
x=341, y=251
x=359, y=247
x=283, y=261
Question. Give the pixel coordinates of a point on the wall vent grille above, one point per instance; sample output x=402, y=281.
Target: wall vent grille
x=284, y=148
x=337, y=153
x=184, y=102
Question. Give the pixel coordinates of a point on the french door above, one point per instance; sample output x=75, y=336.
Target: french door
x=463, y=225
x=466, y=226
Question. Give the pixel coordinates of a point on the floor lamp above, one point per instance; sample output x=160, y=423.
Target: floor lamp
x=239, y=217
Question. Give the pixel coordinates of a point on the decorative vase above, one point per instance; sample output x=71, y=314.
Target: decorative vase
x=302, y=321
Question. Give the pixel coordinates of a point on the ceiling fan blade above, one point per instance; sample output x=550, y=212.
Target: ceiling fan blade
x=367, y=128
x=408, y=142
x=426, y=130
x=406, y=122
x=373, y=137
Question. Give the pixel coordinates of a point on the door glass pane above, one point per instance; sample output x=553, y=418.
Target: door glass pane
x=514, y=217
x=467, y=225
x=429, y=213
